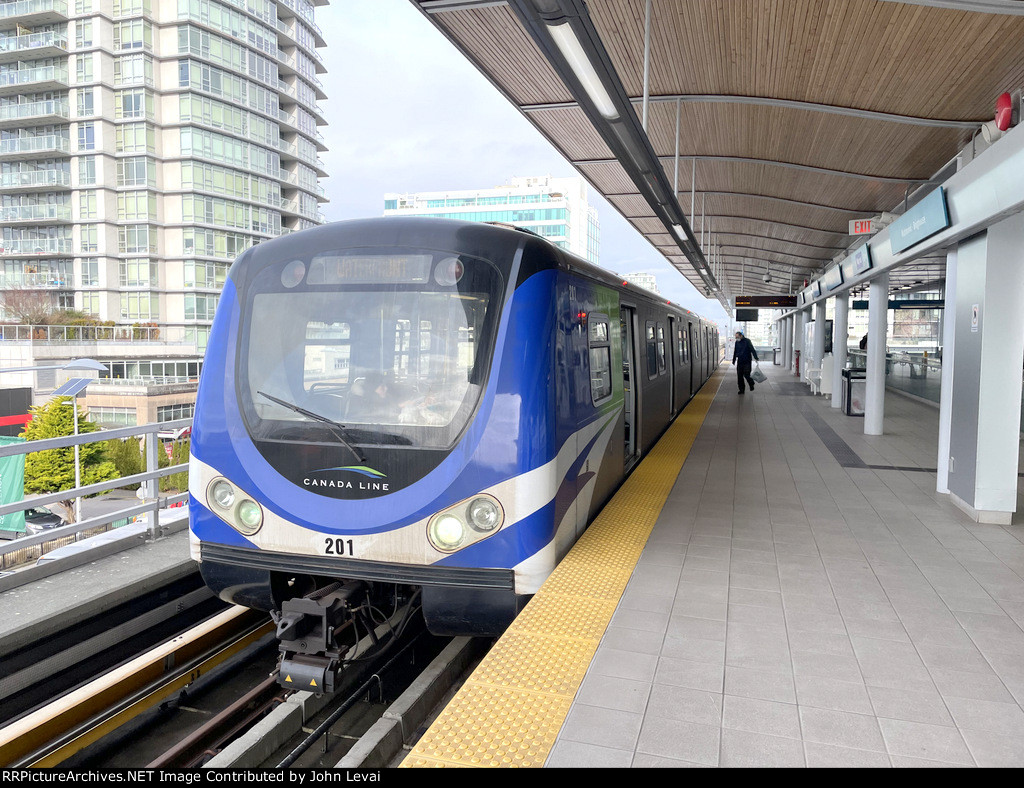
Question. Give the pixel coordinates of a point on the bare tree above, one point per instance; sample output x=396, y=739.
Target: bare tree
x=26, y=306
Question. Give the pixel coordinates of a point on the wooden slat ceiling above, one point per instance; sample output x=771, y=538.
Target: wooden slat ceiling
x=764, y=209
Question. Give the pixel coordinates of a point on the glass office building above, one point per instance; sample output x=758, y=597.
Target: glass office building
x=556, y=208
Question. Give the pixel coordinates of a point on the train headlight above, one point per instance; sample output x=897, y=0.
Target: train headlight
x=484, y=515
x=222, y=493
x=249, y=516
x=446, y=532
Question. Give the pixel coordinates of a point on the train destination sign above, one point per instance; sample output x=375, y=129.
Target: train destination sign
x=921, y=221
x=767, y=301
x=338, y=268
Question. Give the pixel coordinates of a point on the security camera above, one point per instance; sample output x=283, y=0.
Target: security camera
x=767, y=277
x=707, y=291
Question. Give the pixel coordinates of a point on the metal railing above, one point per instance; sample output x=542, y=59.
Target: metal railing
x=13, y=552
x=24, y=76
x=33, y=41
x=34, y=109
x=44, y=143
x=36, y=281
x=35, y=213
x=72, y=334
x=147, y=380
x=27, y=7
x=28, y=178
x=19, y=247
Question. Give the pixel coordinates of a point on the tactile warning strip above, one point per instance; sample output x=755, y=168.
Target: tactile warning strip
x=510, y=710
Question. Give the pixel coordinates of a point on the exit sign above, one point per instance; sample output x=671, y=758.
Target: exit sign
x=862, y=226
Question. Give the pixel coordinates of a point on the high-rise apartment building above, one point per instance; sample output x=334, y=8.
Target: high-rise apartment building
x=643, y=279
x=556, y=208
x=144, y=144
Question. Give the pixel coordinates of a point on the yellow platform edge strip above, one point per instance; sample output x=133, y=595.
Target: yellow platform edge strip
x=511, y=709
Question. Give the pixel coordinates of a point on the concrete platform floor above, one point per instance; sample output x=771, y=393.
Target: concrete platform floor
x=807, y=599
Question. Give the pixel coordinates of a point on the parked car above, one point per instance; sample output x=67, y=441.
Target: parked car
x=41, y=519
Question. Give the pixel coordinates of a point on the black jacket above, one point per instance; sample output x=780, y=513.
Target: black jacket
x=743, y=350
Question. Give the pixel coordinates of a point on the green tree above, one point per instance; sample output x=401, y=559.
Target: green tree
x=179, y=455
x=53, y=470
x=126, y=454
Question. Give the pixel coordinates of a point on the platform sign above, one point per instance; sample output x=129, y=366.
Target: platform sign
x=833, y=278
x=12, y=486
x=862, y=226
x=861, y=259
x=921, y=221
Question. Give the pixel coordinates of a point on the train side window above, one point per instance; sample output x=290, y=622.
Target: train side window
x=662, y=358
x=681, y=345
x=652, y=351
x=600, y=357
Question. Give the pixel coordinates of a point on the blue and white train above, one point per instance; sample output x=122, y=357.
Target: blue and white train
x=423, y=403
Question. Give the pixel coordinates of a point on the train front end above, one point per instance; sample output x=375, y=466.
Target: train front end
x=365, y=420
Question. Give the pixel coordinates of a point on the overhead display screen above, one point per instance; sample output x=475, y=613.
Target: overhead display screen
x=746, y=315
x=766, y=302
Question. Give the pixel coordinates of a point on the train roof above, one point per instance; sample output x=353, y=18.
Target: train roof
x=325, y=234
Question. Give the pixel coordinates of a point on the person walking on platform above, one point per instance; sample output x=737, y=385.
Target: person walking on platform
x=743, y=351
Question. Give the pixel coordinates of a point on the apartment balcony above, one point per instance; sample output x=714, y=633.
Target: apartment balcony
x=101, y=335
x=35, y=12
x=305, y=14
x=33, y=46
x=41, y=281
x=34, y=113
x=294, y=208
x=35, y=214
x=35, y=247
x=33, y=80
x=35, y=180
x=34, y=147
x=287, y=29
x=291, y=178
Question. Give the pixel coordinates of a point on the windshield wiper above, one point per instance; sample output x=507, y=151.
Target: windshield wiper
x=339, y=430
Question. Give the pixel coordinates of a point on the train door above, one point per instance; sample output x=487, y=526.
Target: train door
x=627, y=321
x=673, y=367
x=694, y=358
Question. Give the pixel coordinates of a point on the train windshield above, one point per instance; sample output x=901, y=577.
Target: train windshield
x=393, y=347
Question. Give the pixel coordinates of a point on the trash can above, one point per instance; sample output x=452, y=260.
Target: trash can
x=854, y=389
x=776, y=351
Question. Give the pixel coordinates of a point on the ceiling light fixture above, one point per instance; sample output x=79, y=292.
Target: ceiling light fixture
x=569, y=45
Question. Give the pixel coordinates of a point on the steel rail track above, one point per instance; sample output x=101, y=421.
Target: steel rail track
x=55, y=732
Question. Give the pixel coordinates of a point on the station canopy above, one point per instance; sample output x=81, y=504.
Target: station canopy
x=774, y=122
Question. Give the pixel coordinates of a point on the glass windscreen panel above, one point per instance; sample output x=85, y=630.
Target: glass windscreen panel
x=394, y=347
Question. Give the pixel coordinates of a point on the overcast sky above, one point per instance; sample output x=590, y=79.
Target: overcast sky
x=409, y=113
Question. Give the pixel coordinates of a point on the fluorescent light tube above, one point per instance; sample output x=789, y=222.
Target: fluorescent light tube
x=680, y=232
x=571, y=49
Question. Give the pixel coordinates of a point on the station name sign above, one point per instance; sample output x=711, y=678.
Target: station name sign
x=766, y=302
x=922, y=221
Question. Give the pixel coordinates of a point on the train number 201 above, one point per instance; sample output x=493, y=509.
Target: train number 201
x=338, y=547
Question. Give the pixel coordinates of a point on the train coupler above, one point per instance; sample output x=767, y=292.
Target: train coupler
x=310, y=628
